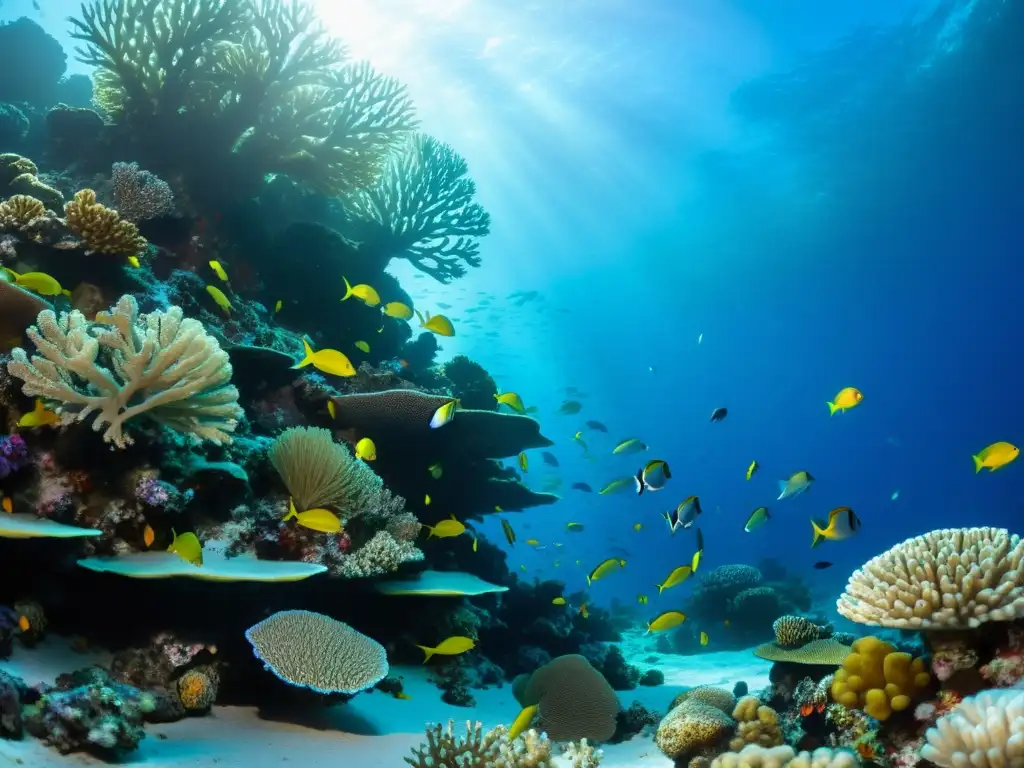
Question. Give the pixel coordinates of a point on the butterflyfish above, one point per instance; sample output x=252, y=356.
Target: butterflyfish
x=326, y=360
x=362, y=346
x=219, y=298
x=443, y=415
x=451, y=646
x=363, y=292
x=848, y=397
x=754, y=466
x=796, y=484
x=446, y=529
x=665, y=621
x=438, y=324
x=652, y=476
x=366, y=450
x=522, y=722
x=632, y=445
x=995, y=456
x=604, y=568
x=218, y=269
x=512, y=400
x=675, y=578
x=842, y=524
x=397, y=310
x=39, y=416
x=187, y=547
x=322, y=520
x=757, y=518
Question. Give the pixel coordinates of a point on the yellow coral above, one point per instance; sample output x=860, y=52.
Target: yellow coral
x=757, y=725
x=18, y=211
x=878, y=679
x=692, y=726
x=196, y=690
x=102, y=228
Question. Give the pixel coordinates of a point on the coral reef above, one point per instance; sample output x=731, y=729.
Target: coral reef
x=984, y=730
x=102, y=229
x=477, y=749
x=877, y=678
x=755, y=724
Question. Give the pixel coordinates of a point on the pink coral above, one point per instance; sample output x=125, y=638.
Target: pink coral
x=1005, y=670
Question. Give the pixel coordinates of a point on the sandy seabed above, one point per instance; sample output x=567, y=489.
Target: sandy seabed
x=373, y=730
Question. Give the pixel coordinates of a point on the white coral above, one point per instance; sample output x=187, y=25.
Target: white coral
x=124, y=365
x=784, y=756
x=983, y=730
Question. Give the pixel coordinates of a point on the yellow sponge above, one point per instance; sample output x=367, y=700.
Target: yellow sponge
x=878, y=679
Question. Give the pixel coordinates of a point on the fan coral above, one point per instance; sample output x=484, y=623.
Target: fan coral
x=158, y=364
x=878, y=679
x=424, y=206
x=984, y=730
x=17, y=212
x=310, y=650
x=757, y=724
x=138, y=194
x=574, y=700
x=950, y=578
x=477, y=749
x=102, y=228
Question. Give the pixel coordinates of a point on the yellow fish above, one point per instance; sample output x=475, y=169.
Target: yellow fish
x=842, y=523
x=675, y=578
x=403, y=695
x=426, y=500
x=556, y=563
x=332, y=409
x=134, y=261
x=397, y=310
x=665, y=621
x=522, y=568
x=633, y=445
x=695, y=560
x=218, y=270
x=435, y=470
x=642, y=599
x=446, y=529
x=363, y=292
x=322, y=520
x=584, y=612
x=533, y=542
x=754, y=466
x=848, y=397
x=366, y=450
x=362, y=346
x=187, y=547
x=39, y=282
x=604, y=568
x=704, y=639
x=637, y=526
x=574, y=527
x=8, y=505
x=444, y=414
x=522, y=722
x=558, y=601
x=24, y=624
x=510, y=535
x=219, y=298
x=451, y=646
x=995, y=456
x=277, y=306
x=40, y=416
x=512, y=400
x=475, y=543
x=438, y=324
x=617, y=486
x=148, y=536
x=523, y=463
x=327, y=361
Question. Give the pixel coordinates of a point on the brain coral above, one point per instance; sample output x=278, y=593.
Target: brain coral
x=575, y=701
x=719, y=698
x=692, y=726
x=951, y=578
x=310, y=650
x=878, y=679
x=982, y=731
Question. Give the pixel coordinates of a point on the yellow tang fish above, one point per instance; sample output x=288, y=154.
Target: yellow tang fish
x=426, y=500
x=522, y=722
x=366, y=450
x=438, y=324
x=219, y=298
x=695, y=561
x=187, y=547
x=842, y=523
x=704, y=639
x=604, y=568
x=436, y=470
x=397, y=310
x=995, y=456
x=446, y=529
x=558, y=601
x=322, y=520
x=327, y=361
x=512, y=400
x=754, y=466
x=848, y=397
x=218, y=269
x=40, y=416
x=675, y=578
x=362, y=346
x=617, y=486
x=134, y=261
x=665, y=621
x=444, y=414
x=510, y=535
x=332, y=409
x=39, y=282
x=364, y=292
x=523, y=462
x=277, y=306
x=642, y=599
x=451, y=646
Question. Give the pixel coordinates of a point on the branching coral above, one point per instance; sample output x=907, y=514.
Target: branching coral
x=478, y=749
x=424, y=206
x=756, y=724
x=19, y=211
x=877, y=678
x=952, y=578
x=124, y=365
x=102, y=228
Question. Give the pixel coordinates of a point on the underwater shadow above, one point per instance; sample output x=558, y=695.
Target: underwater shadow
x=338, y=717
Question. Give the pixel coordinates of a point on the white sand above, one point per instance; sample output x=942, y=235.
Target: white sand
x=373, y=730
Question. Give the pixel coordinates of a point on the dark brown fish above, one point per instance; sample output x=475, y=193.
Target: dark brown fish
x=719, y=413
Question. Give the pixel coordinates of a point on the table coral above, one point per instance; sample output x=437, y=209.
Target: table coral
x=877, y=678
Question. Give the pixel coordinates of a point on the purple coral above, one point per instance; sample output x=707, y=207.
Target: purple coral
x=156, y=493
x=13, y=454
x=140, y=195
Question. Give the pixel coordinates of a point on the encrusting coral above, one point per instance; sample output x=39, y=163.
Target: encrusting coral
x=161, y=365
x=478, y=749
x=102, y=229
x=879, y=679
x=310, y=650
x=953, y=578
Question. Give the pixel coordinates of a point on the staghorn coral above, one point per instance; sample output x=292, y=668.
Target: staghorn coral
x=102, y=229
x=690, y=727
x=877, y=678
x=756, y=724
x=477, y=749
x=754, y=756
x=984, y=730
x=310, y=650
x=19, y=211
x=795, y=631
x=423, y=206
x=952, y=578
